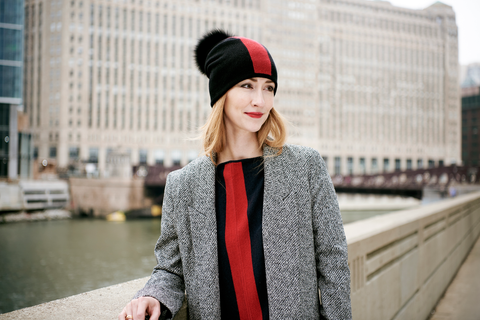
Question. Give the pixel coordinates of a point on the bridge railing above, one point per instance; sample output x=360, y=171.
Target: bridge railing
x=427, y=176
x=409, y=182
x=401, y=264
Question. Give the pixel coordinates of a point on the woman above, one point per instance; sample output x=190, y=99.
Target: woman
x=252, y=230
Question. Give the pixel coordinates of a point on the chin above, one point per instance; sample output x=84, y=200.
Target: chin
x=257, y=125
x=254, y=129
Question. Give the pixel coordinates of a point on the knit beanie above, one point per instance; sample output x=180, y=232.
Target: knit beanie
x=226, y=60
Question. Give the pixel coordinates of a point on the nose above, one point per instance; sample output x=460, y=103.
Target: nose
x=258, y=100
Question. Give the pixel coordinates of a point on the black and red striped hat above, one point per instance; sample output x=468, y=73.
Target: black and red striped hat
x=226, y=60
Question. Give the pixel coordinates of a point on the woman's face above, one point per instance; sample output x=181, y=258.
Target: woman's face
x=248, y=104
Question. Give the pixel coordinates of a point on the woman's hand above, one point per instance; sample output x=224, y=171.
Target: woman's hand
x=138, y=308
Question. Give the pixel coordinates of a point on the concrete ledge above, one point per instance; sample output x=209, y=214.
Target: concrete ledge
x=401, y=264
x=104, y=303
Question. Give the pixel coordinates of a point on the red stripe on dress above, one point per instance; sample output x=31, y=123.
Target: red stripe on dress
x=237, y=241
x=259, y=55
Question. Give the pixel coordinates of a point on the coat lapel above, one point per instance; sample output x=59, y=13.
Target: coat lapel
x=204, y=190
x=204, y=233
x=276, y=183
x=279, y=231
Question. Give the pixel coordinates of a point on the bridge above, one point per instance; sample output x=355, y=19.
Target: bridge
x=407, y=183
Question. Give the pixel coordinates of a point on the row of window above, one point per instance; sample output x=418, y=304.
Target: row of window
x=158, y=155
x=360, y=165
x=372, y=165
x=12, y=12
x=382, y=24
x=168, y=4
x=390, y=10
x=472, y=102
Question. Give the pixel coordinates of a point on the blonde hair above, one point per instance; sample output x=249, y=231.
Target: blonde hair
x=272, y=133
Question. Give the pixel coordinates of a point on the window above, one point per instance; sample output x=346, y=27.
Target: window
x=362, y=166
x=52, y=152
x=159, y=156
x=419, y=164
x=142, y=156
x=431, y=163
x=398, y=164
x=374, y=165
x=350, y=165
x=386, y=165
x=192, y=154
x=93, y=155
x=176, y=157
x=73, y=153
x=338, y=167
x=409, y=164
x=100, y=15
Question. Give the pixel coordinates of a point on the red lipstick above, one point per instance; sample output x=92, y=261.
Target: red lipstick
x=255, y=115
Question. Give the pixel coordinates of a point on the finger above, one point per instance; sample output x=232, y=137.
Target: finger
x=154, y=310
x=139, y=309
x=155, y=313
x=123, y=314
x=130, y=309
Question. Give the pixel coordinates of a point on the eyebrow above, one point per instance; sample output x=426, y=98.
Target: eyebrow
x=255, y=80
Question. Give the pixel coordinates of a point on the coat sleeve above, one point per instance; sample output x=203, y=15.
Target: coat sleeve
x=333, y=274
x=166, y=282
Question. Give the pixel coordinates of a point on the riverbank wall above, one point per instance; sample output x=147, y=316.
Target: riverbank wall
x=52, y=214
x=401, y=264
x=99, y=197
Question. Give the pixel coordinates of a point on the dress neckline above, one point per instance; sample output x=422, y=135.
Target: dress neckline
x=246, y=160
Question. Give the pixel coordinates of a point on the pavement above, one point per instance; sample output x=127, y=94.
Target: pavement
x=462, y=298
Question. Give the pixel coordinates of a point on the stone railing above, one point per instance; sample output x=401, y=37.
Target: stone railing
x=401, y=264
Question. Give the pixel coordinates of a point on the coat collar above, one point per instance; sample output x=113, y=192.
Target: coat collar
x=204, y=192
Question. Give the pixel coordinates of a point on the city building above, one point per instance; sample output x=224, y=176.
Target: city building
x=372, y=86
x=470, y=127
x=470, y=75
x=15, y=146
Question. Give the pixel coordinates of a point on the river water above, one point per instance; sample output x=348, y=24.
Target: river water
x=44, y=261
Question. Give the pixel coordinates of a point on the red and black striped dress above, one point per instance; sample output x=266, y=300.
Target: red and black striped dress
x=239, y=203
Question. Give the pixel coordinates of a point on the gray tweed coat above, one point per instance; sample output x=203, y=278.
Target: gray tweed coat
x=304, y=242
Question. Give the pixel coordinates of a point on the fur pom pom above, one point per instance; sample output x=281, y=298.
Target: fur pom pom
x=205, y=44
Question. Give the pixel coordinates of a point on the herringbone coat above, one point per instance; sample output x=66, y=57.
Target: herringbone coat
x=304, y=242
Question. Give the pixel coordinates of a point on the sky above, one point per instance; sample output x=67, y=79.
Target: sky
x=467, y=13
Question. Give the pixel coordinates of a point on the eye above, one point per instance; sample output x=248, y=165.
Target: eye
x=270, y=88
x=246, y=85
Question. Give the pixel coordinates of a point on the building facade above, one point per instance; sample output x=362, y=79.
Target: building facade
x=470, y=127
x=371, y=86
x=11, y=64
